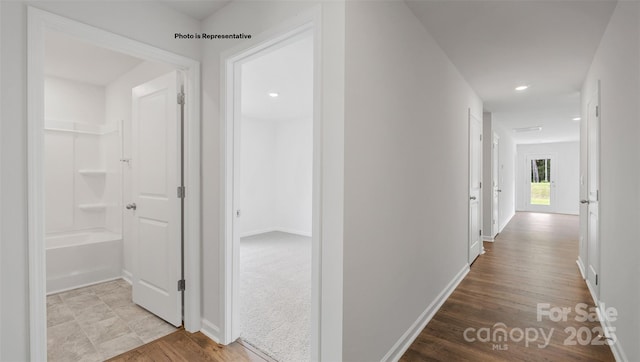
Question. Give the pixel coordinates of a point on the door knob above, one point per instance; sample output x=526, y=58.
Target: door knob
x=584, y=201
x=472, y=198
x=131, y=206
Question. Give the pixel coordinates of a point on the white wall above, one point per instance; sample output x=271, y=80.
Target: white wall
x=276, y=176
x=507, y=175
x=71, y=101
x=256, y=18
x=507, y=181
x=258, y=177
x=294, y=161
x=1, y=197
x=119, y=109
x=567, y=179
x=616, y=65
x=406, y=176
x=59, y=172
x=70, y=104
x=111, y=153
x=120, y=17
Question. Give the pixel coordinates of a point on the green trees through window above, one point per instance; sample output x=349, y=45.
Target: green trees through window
x=540, y=182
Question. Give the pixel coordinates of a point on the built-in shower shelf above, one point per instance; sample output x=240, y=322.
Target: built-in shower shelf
x=92, y=172
x=92, y=207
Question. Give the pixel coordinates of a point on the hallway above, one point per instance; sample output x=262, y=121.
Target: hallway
x=533, y=261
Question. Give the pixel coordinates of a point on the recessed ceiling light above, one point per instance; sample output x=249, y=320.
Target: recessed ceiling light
x=528, y=129
x=520, y=88
x=273, y=94
x=576, y=119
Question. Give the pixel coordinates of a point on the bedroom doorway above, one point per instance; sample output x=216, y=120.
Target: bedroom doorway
x=271, y=196
x=275, y=183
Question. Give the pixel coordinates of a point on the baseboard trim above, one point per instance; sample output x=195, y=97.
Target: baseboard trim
x=268, y=230
x=504, y=224
x=83, y=285
x=616, y=347
x=401, y=346
x=581, y=267
x=488, y=238
x=127, y=276
x=591, y=292
x=293, y=231
x=550, y=212
x=257, y=232
x=210, y=330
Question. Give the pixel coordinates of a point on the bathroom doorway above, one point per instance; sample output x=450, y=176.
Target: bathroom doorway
x=112, y=141
x=107, y=148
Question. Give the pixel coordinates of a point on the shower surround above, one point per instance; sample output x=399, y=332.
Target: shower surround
x=83, y=186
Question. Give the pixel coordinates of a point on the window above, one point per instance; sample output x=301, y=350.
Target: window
x=541, y=181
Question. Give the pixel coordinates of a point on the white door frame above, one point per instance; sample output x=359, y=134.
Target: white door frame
x=39, y=22
x=526, y=188
x=471, y=233
x=230, y=139
x=592, y=257
x=495, y=184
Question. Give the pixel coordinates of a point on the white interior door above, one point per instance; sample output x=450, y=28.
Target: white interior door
x=475, y=178
x=495, y=180
x=593, y=187
x=157, y=214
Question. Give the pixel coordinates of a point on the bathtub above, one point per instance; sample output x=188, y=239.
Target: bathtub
x=80, y=258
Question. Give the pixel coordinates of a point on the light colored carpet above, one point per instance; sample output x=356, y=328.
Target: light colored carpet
x=275, y=294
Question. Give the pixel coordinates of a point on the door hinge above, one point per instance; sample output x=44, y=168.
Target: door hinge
x=480, y=184
x=596, y=279
x=182, y=192
x=181, y=285
x=480, y=232
x=597, y=111
x=181, y=98
x=480, y=137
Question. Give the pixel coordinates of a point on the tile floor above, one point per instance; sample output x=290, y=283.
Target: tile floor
x=98, y=322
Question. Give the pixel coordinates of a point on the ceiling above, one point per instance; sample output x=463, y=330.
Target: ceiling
x=70, y=58
x=498, y=45
x=197, y=9
x=287, y=71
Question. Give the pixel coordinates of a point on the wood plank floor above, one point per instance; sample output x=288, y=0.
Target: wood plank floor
x=532, y=261
x=190, y=347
